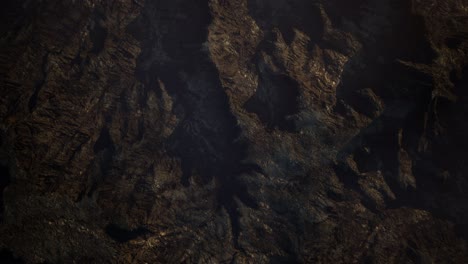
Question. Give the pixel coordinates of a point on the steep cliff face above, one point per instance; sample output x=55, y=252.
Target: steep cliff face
x=234, y=131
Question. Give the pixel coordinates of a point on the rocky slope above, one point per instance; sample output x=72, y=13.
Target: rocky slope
x=234, y=131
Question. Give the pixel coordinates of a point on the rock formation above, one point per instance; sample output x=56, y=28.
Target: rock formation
x=234, y=131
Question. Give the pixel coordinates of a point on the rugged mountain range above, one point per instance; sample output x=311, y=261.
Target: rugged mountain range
x=234, y=131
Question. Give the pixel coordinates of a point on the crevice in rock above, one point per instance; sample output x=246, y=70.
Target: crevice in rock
x=39, y=84
x=104, y=148
x=4, y=182
x=97, y=32
x=123, y=235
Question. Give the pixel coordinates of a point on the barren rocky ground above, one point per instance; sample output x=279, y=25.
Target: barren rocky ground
x=234, y=131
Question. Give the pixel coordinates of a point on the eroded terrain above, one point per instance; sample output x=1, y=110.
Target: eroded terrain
x=234, y=131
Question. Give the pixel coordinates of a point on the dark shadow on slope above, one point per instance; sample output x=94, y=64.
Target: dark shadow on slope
x=104, y=149
x=14, y=14
x=104, y=141
x=4, y=182
x=405, y=92
x=205, y=139
x=283, y=259
x=97, y=32
x=404, y=38
x=7, y=257
x=376, y=148
x=123, y=235
x=442, y=170
x=39, y=84
x=438, y=123
x=275, y=100
x=287, y=16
